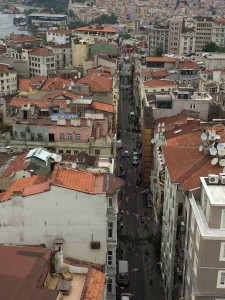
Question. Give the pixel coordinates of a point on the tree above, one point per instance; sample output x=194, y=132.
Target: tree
x=210, y=47
x=71, y=14
x=159, y=50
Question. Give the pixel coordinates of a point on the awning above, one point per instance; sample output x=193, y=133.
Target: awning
x=59, y=241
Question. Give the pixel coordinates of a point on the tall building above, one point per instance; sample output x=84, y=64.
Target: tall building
x=203, y=32
x=8, y=80
x=187, y=42
x=218, y=32
x=158, y=35
x=175, y=30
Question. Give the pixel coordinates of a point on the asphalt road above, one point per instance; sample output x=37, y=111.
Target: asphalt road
x=145, y=281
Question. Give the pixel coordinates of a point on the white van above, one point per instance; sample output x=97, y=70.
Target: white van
x=125, y=296
x=123, y=275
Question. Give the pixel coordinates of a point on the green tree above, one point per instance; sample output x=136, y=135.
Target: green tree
x=210, y=47
x=71, y=14
x=159, y=50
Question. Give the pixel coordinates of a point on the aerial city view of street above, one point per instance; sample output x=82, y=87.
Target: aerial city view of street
x=112, y=150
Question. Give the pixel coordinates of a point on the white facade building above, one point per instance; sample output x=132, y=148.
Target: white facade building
x=8, y=80
x=58, y=36
x=41, y=60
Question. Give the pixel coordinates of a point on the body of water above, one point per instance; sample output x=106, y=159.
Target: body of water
x=7, y=27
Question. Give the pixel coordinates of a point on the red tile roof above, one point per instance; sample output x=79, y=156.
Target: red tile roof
x=185, y=163
x=103, y=106
x=97, y=83
x=25, y=39
x=106, y=28
x=21, y=273
x=162, y=73
x=19, y=187
x=219, y=21
x=24, y=85
x=159, y=82
x=41, y=52
x=4, y=68
x=41, y=103
x=34, y=82
x=60, y=31
x=16, y=163
x=161, y=59
x=188, y=64
x=36, y=189
x=95, y=285
x=56, y=83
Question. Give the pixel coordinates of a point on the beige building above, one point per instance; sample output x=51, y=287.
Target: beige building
x=204, y=275
x=218, y=32
x=8, y=80
x=187, y=43
x=203, y=33
x=175, y=30
x=158, y=35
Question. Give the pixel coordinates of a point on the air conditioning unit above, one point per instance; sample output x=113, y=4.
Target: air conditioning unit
x=95, y=245
x=222, y=179
x=213, y=179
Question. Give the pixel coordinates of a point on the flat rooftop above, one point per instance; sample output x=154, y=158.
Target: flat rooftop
x=216, y=194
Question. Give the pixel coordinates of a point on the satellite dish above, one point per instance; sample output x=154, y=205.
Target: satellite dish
x=221, y=152
x=163, y=129
x=67, y=101
x=163, y=124
x=75, y=77
x=69, y=87
x=72, y=83
x=159, y=125
x=64, y=86
x=213, y=151
x=58, y=158
x=217, y=137
x=158, y=129
x=220, y=146
x=214, y=161
x=153, y=141
x=203, y=137
x=222, y=162
x=200, y=149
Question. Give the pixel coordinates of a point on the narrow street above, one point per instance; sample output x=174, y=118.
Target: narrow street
x=145, y=282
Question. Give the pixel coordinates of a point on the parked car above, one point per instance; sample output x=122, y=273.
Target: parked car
x=135, y=160
x=126, y=154
x=126, y=296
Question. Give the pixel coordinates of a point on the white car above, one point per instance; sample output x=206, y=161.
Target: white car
x=135, y=160
x=126, y=296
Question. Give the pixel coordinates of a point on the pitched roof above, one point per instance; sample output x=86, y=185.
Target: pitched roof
x=95, y=285
x=60, y=31
x=25, y=39
x=185, y=163
x=97, y=83
x=55, y=83
x=41, y=52
x=159, y=82
x=21, y=271
x=102, y=106
x=161, y=59
x=14, y=164
x=21, y=187
x=41, y=103
x=94, y=28
x=188, y=64
x=4, y=68
x=34, y=82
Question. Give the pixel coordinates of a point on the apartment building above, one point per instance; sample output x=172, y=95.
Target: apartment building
x=41, y=60
x=178, y=166
x=64, y=123
x=59, y=36
x=83, y=230
x=8, y=80
x=175, y=30
x=189, y=72
x=187, y=43
x=203, y=32
x=94, y=33
x=46, y=21
x=158, y=36
x=62, y=53
x=218, y=31
x=205, y=257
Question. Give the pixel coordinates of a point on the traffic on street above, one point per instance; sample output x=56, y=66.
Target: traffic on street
x=136, y=221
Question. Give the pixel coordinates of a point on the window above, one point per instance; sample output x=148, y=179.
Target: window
x=77, y=138
x=23, y=135
x=69, y=136
x=222, y=223
x=109, y=258
x=61, y=151
x=192, y=221
x=222, y=252
x=221, y=279
x=110, y=230
x=197, y=238
x=68, y=151
x=109, y=285
x=110, y=202
x=62, y=136
x=75, y=151
x=97, y=152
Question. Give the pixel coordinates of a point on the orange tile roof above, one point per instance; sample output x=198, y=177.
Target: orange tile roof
x=219, y=21
x=83, y=181
x=25, y=39
x=61, y=31
x=57, y=83
x=41, y=52
x=162, y=73
x=34, y=82
x=188, y=64
x=4, y=68
x=61, y=93
x=103, y=106
x=16, y=163
x=106, y=28
x=18, y=187
x=97, y=83
x=24, y=85
x=159, y=82
x=41, y=103
x=161, y=59
x=185, y=163
x=95, y=285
